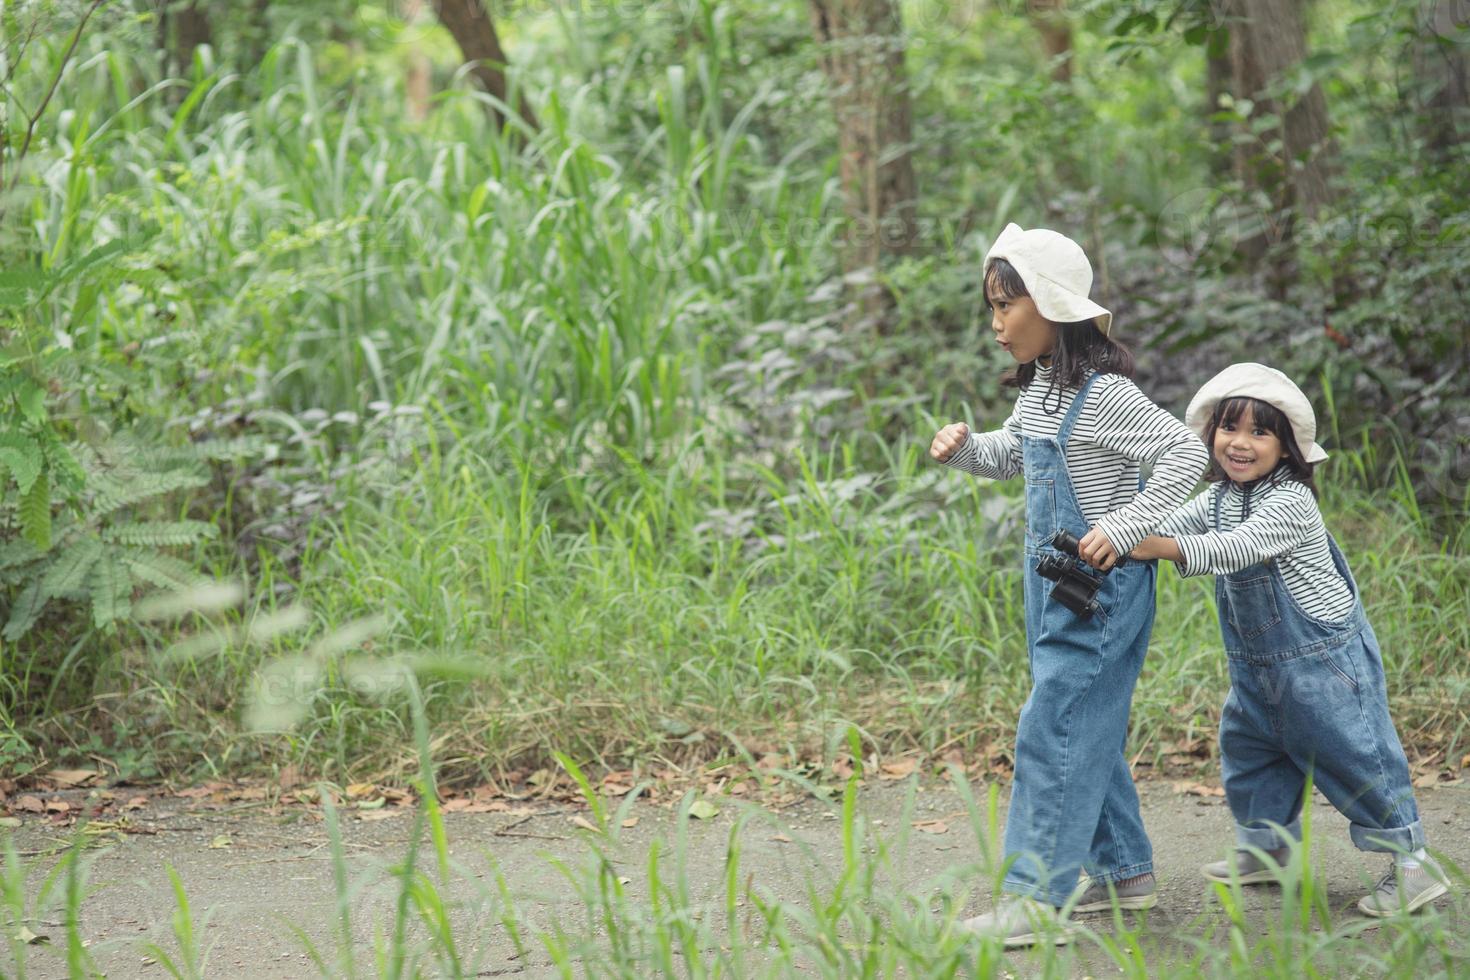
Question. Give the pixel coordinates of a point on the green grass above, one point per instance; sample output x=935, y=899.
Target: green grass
x=853, y=920
x=553, y=432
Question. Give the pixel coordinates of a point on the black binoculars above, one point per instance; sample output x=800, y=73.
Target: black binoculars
x=1075, y=589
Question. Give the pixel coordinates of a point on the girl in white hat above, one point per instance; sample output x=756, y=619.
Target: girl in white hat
x=1079, y=432
x=1306, y=680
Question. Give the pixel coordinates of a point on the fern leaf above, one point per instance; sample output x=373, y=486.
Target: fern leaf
x=22, y=456
x=115, y=492
x=164, y=571
x=64, y=466
x=17, y=551
x=69, y=569
x=160, y=534
x=35, y=514
x=26, y=611
x=111, y=588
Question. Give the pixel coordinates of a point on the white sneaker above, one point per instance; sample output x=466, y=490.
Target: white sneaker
x=1018, y=921
x=1244, y=866
x=1405, y=890
x=1137, y=893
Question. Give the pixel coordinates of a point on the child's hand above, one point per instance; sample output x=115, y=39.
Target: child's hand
x=948, y=439
x=1097, y=550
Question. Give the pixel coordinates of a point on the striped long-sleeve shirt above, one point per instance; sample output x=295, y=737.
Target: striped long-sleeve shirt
x=1118, y=429
x=1282, y=522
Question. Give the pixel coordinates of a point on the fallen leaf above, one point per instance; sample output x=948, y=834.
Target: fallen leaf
x=1427, y=780
x=378, y=815
x=615, y=789
x=29, y=804
x=624, y=881
x=289, y=778
x=72, y=777
x=584, y=823
x=10, y=821
x=631, y=822
x=898, y=769
x=57, y=806
x=456, y=805
x=194, y=792
x=136, y=803
x=30, y=938
x=781, y=839
x=1465, y=762
x=360, y=791
x=703, y=810
x=220, y=841
x=1198, y=789
x=932, y=826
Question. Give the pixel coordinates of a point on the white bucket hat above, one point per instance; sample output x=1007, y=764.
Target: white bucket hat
x=1252, y=380
x=1056, y=273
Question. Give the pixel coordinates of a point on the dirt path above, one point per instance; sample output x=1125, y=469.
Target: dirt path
x=274, y=875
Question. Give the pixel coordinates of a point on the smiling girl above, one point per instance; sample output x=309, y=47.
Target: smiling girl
x=1307, y=692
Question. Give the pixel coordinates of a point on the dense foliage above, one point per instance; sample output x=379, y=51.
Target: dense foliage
x=578, y=410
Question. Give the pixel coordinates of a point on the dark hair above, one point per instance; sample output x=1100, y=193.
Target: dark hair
x=1080, y=345
x=1274, y=421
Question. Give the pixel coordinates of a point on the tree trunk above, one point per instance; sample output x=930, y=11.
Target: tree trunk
x=1217, y=83
x=191, y=31
x=1050, y=19
x=182, y=30
x=861, y=50
x=1442, y=77
x=417, y=91
x=1268, y=39
x=473, y=30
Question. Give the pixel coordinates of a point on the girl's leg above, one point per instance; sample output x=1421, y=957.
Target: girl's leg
x=1262, y=785
x=1069, y=746
x=1120, y=845
x=1339, y=725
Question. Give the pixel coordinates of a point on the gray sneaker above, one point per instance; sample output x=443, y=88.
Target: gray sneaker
x=1244, y=866
x=1404, y=890
x=1020, y=921
x=1141, y=892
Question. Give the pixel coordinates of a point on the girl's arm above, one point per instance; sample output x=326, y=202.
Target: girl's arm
x=1280, y=522
x=996, y=454
x=1130, y=424
x=1192, y=518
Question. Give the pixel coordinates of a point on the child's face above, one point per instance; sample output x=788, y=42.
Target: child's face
x=1244, y=450
x=1020, y=328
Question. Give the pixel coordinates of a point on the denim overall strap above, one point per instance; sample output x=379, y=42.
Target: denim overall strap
x=1074, y=411
x=1073, y=804
x=1261, y=622
x=1051, y=500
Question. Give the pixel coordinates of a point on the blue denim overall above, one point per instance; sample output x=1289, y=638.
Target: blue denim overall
x=1307, y=695
x=1072, y=802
